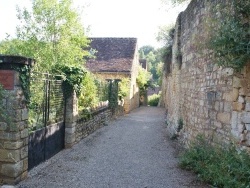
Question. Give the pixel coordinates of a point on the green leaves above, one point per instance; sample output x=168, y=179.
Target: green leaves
x=51, y=33
x=231, y=40
x=143, y=78
x=74, y=76
x=221, y=167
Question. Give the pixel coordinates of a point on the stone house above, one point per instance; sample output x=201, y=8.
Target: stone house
x=116, y=58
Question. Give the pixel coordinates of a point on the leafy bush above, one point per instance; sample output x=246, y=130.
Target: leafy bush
x=231, y=34
x=89, y=96
x=153, y=100
x=124, y=88
x=218, y=166
x=74, y=76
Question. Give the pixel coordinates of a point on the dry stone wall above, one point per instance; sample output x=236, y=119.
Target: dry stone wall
x=208, y=99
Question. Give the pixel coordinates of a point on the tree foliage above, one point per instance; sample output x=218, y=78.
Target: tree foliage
x=51, y=33
x=231, y=34
x=166, y=36
x=174, y=2
x=124, y=87
x=152, y=57
x=143, y=79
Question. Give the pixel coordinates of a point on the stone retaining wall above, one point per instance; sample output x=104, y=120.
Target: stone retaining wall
x=209, y=100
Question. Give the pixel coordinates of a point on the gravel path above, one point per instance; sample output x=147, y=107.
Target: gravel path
x=131, y=151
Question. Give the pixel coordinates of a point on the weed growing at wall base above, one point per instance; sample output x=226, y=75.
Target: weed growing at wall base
x=220, y=167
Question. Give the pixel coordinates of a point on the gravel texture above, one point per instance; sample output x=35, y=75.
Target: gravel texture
x=132, y=151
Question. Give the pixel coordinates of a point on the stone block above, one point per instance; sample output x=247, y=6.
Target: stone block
x=13, y=145
x=247, y=126
x=14, y=127
x=25, y=114
x=70, y=138
x=238, y=106
x=26, y=141
x=12, y=170
x=24, y=152
x=242, y=137
x=247, y=107
x=241, y=127
x=217, y=106
x=7, y=186
x=218, y=125
x=224, y=117
x=24, y=175
x=231, y=96
x=234, y=120
x=24, y=133
x=17, y=115
x=10, y=136
x=3, y=126
x=235, y=133
x=25, y=164
x=243, y=91
x=227, y=106
x=70, y=130
x=236, y=82
x=247, y=139
x=9, y=155
x=241, y=99
x=245, y=117
x=247, y=99
x=227, y=72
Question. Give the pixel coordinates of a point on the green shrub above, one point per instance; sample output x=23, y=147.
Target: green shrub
x=153, y=100
x=230, y=39
x=89, y=94
x=220, y=167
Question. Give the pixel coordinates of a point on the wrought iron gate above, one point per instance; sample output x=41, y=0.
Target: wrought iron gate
x=46, y=118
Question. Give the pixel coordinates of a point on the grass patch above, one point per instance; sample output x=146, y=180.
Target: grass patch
x=153, y=100
x=220, y=167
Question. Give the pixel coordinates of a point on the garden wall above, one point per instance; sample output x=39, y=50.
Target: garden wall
x=78, y=126
x=95, y=120
x=201, y=97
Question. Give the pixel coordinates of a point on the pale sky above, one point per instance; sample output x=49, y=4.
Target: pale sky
x=106, y=18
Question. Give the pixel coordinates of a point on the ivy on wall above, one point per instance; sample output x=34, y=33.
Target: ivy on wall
x=4, y=116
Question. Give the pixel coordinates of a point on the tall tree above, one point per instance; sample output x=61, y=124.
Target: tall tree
x=175, y=2
x=51, y=33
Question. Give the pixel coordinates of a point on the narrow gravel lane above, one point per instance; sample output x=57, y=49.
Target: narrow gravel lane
x=132, y=151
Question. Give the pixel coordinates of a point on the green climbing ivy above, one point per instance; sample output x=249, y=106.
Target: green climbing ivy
x=73, y=78
x=4, y=117
x=24, y=77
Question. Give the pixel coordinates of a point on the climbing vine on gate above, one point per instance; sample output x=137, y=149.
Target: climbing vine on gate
x=73, y=77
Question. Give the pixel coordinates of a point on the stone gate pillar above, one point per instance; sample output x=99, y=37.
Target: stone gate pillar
x=14, y=118
x=71, y=117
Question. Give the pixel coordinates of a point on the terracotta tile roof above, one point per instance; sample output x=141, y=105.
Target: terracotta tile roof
x=112, y=54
